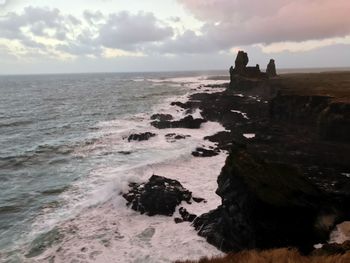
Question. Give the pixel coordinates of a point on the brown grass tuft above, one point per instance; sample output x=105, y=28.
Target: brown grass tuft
x=282, y=255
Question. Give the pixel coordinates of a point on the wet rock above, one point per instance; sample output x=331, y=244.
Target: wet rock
x=125, y=152
x=199, y=199
x=141, y=136
x=172, y=137
x=162, y=117
x=186, y=216
x=178, y=220
x=159, y=196
x=202, y=152
x=271, y=69
x=188, y=122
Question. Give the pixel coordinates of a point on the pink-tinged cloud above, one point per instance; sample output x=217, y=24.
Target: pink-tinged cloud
x=243, y=22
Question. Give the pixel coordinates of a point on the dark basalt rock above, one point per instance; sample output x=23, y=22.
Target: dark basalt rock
x=186, y=216
x=188, y=122
x=141, y=136
x=271, y=69
x=267, y=205
x=159, y=196
x=199, y=199
x=241, y=75
x=202, y=152
x=172, y=137
x=162, y=117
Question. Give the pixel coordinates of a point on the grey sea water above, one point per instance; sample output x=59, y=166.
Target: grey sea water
x=44, y=121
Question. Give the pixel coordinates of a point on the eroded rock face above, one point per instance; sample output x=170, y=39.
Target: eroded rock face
x=267, y=205
x=159, y=196
x=188, y=122
x=241, y=62
x=241, y=71
x=271, y=69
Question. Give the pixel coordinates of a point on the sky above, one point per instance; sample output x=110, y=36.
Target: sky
x=48, y=36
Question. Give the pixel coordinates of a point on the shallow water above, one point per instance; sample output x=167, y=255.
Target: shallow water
x=63, y=153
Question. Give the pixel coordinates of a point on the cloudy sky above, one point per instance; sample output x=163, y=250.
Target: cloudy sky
x=50, y=36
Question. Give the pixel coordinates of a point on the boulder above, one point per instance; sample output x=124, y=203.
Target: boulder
x=162, y=117
x=202, y=152
x=188, y=122
x=159, y=196
x=271, y=69
x=172, y=137
x=141, y=136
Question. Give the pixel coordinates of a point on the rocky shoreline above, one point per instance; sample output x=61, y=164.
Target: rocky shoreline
x=286, y=178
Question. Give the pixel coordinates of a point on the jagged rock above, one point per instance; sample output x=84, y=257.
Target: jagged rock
x=159, y=196
x=188, y=122
x=141, y=136
x=271, y=69
x=162, y=117
x=186, y=216
x=240, y=72
x=172, y=137
x=267, y=205
x=241, y=62
x=202, y=152
x=199, y=199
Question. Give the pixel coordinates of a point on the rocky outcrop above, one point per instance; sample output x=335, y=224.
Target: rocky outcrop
x=271, y=69
x=141, y=136
x=242, y=73
x=162, y=117
x=159, y=196
x=241, y=62
x=268, y=205
x=172, y=137
x=188, y=122
x=202, y=152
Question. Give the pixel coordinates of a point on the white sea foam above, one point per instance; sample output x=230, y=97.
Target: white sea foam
x=244, y=115
x=249, y=135
x=100, y=227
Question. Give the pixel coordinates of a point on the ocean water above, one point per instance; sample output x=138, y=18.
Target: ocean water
x=64, y=160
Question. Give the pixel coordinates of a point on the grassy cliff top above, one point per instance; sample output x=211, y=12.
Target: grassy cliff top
x=333, y=84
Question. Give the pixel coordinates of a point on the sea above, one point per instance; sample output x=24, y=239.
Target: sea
x=65, y=160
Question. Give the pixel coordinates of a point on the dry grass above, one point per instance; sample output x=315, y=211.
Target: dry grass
x=334, y=84
x=274, y=256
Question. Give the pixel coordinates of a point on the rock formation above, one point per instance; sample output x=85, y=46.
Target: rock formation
x=267, y=205
x=241, y=71
x=271, y=69
x=159, y=196
x=188, y=122
x=141, y=136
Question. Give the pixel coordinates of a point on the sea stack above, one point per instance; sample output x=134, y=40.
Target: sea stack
x=271, y=69
x=242, y=73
